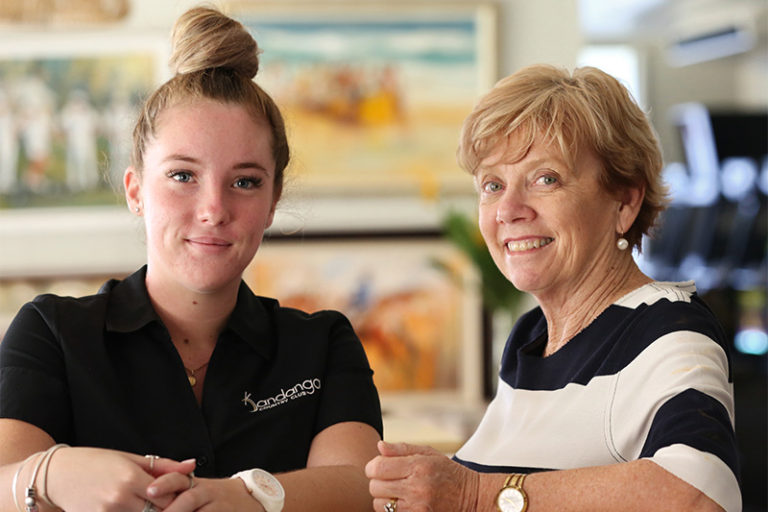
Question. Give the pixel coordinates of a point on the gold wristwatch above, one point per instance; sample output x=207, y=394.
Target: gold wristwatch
x=512, y=497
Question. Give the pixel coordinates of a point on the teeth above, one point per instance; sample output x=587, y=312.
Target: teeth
x=529, y=244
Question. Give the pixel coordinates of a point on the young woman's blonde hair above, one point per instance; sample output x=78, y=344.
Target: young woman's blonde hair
x=588, y=110
x=213, y=57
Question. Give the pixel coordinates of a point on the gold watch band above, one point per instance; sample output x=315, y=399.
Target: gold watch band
x=515, y=480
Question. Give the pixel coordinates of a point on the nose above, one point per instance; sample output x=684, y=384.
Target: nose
x=212, y=207
x=513, y=206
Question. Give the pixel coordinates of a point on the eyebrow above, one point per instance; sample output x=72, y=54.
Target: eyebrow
x=186, y=158
x=546, y=161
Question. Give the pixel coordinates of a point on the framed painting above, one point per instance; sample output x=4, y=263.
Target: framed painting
x=413, y=301
x=68, y=101
x=374, y=94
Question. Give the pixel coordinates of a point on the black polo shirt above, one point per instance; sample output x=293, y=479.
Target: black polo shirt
x=102, y=371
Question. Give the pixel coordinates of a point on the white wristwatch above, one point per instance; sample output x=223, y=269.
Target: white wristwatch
x=264, y=488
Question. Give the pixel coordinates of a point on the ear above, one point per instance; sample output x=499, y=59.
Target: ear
x=132, y=185
x=277, y=193
x=271, y=216
x=629, y=206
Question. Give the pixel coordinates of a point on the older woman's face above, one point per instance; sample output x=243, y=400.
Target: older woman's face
x=549, y=227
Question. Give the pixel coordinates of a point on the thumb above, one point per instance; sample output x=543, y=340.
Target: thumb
x=404, y=449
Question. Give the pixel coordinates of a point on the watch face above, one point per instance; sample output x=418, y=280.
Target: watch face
x=267, y=483
x=511, y=500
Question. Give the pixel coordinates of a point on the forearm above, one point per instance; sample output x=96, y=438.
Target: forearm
x=7, y=475
x=638, y=485
x=327, y=488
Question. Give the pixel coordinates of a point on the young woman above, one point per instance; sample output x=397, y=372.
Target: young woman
x=181, y=360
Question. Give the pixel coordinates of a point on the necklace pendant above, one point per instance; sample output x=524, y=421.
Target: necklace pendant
x=192, y=380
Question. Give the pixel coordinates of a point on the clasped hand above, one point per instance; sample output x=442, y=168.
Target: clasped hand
x=108, y=480
x=420, y=479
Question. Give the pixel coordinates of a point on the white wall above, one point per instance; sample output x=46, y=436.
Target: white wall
x=529, y=31
x=42, y=242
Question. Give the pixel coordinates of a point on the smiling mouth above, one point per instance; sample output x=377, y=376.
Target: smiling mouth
x=529, y=244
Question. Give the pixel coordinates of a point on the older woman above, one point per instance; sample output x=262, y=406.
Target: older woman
x=615, y=393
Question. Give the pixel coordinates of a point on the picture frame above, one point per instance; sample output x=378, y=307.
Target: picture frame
x=412, y=298
x=374, y=93
x=68, y=101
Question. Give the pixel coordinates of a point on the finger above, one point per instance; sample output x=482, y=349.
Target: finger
x=388, y=468
x=188, y=501
x=169, y=484
x=386, y=489
x=157, y=466
x=403, y=449
x=163, y=466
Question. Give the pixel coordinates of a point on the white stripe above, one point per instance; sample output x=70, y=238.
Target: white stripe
x=547, y=429
x=653, y=292
x=607, y=420
x=673, y=363
x=703, y=471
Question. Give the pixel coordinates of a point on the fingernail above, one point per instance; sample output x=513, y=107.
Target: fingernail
x=188, y=460
x=152, y=491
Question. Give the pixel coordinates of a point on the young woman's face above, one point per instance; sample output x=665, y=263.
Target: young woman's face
x=206, y=193
x=550, y=228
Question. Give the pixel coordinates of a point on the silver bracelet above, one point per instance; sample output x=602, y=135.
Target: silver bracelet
x=44, y=473
x=16, y=480
x=30, y=494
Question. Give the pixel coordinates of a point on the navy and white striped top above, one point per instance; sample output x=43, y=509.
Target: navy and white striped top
x=649, y=378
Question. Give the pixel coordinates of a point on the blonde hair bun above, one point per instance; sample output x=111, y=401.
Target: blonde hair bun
x=204, y=38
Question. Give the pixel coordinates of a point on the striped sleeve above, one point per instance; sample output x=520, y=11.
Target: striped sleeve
x=676, y=396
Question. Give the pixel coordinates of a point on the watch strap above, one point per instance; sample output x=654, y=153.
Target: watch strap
x=515, y=480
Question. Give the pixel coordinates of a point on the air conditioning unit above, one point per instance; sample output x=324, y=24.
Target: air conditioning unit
x=701, y=31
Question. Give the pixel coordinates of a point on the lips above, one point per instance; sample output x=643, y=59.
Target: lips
x=209, y=241
x=527, y=245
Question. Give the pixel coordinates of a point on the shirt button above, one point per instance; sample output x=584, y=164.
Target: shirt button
x=202, y=461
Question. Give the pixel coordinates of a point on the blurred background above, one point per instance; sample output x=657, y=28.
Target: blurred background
x=377, y=219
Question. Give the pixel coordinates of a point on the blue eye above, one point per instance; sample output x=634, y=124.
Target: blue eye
x=248, y=183
x=491, y=187
x=180, y=176
x=547, y=180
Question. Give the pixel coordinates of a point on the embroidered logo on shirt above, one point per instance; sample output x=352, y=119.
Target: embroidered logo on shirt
x=304, y=388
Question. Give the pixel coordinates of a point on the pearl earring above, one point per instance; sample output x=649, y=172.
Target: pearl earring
x=137, y=209
x=622, y=243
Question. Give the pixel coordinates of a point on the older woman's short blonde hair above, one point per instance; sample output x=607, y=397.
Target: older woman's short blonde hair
x=588, y=109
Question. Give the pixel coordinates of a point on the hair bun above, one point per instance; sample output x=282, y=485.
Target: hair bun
x=204, y=38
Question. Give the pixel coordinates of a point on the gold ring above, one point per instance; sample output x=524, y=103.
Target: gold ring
x=391, y=505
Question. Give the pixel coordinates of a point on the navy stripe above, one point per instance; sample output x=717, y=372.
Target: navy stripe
x=605, y=347
x=695, y=419
x=482, y=468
